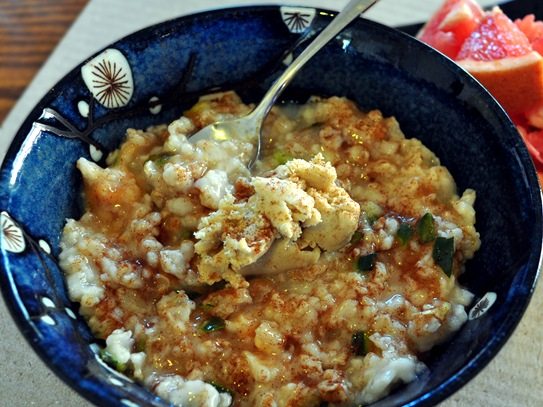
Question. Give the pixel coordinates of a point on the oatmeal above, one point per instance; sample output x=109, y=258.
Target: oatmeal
x=317, y=278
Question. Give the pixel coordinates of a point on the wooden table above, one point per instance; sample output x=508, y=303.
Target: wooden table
x=30, y=29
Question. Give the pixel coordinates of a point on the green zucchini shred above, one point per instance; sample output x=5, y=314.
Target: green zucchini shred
x=281, y=157
x=360, y=343
x=160, y=159
x=213, y=324
x=443, y=253
x=366, y=263
x=405, y=233
x=357, y=237
x=372, y=211
x=141, y=344
x=111, y=361
x=221, y=389
x=426, y=228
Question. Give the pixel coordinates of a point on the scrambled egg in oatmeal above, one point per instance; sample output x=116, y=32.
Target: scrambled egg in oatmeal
x=317, y=279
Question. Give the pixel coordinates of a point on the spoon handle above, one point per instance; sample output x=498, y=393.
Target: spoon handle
x=351, y=11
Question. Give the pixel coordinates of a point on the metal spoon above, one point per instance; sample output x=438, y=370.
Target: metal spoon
x=250, y=125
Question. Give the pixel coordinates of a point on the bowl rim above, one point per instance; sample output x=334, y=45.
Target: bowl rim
x=432, y=396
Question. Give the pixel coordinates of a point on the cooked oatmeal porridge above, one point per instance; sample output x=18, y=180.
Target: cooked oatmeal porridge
x=318, y=277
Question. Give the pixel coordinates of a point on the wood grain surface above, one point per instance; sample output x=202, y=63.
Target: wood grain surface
x=29, y=31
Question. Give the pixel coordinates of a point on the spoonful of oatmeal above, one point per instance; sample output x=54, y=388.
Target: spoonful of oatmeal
x=250, y=125
x=289, y=219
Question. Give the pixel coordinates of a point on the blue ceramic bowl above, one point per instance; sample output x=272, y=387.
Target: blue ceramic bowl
x=158, y=72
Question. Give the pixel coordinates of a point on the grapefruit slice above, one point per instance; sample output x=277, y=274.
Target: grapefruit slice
x=534, y=143
x=451, y=25
x=501, y=57
x=533, y=30
x=534, y=117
